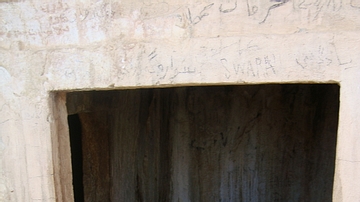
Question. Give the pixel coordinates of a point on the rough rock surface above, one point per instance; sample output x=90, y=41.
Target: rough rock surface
x=48, y=47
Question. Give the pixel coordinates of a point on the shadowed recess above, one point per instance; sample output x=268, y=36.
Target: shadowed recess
x=215, y=143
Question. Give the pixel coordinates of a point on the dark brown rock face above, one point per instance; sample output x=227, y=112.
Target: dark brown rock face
x=224, y=143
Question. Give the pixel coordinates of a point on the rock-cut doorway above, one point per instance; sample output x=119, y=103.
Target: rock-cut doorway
x=272, y=142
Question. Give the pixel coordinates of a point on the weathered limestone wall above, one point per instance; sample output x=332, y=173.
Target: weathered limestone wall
x=50, y=46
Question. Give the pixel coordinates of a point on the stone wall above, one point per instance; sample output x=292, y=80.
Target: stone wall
x=49, y=47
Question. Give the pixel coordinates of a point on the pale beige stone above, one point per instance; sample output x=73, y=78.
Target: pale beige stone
x=48, y=46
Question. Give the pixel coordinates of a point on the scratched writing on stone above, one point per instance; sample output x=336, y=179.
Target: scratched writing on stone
x=55, y=30
x=262, y=11
x=200, y=16
x=58, y=17
x=52, y=8
x=104, y=11
x=313, y=8
x=246, y=59
x=195, y=15
x=155, y=66
x=167, y=67
x=258, y=66
x=323, y=57
x=59, y=23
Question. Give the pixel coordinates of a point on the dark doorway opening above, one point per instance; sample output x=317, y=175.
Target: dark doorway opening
x=76, y=156
x=218, y=143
